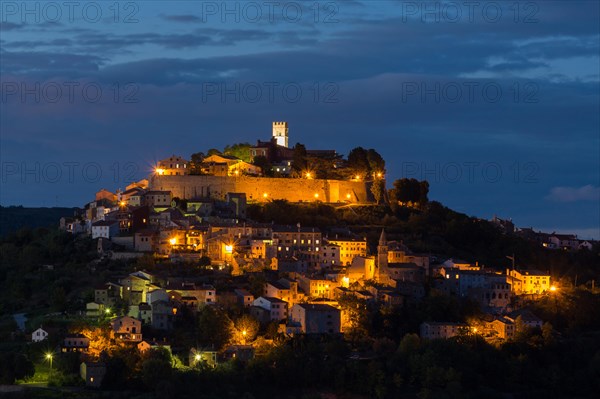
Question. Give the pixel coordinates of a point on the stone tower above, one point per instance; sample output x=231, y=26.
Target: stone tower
x=382, y=257
x=280, y=133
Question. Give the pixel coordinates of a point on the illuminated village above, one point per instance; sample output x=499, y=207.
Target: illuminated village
x=200, y=269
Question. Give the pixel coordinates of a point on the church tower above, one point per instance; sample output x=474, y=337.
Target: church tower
x=382, y=256
x=280, y=133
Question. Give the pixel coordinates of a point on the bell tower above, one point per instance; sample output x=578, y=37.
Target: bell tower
x=280, y=133
x=382, y=256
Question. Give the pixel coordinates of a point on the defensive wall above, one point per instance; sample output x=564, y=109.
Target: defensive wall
x=263, y=188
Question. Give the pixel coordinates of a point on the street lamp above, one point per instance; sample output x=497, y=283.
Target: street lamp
x=173, y=241
x=553, y=288
x=49, y=358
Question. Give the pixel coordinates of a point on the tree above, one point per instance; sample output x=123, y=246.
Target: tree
x=376, y=162
x=239, y=150
x=299, y=160
x=377, y=190
x=196, y=162
x=423, y=192
x=214, y=327
x=358, y=162
x=246, y=328
x=262, y=162
x=213, y=151
x=155, y=370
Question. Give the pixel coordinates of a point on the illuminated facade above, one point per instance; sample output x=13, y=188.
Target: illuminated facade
x=349, y=248
x=173, y=166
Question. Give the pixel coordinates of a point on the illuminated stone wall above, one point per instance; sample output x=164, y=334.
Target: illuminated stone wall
x=293, y=190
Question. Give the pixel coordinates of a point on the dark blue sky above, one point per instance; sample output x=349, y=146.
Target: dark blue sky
x=495, y=103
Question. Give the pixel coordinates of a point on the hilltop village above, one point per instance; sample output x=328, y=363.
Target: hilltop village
x=248, y=285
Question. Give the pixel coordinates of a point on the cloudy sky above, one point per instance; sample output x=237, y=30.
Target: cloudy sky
x=495, y=103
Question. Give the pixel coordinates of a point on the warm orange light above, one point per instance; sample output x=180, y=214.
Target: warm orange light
x=553, y=288
x=308, y=175
x=122, y=203
x=265, y=195
x=348, y=195
x=173, y=241
x=160, y=171
x=229, y=249
x=357, y=177
x=316, y=195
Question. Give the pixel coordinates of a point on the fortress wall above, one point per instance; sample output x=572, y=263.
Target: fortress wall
x=293, y=190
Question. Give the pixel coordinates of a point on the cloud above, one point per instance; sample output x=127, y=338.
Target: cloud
x=573, y=194
x=185, y=18
x=6, y=26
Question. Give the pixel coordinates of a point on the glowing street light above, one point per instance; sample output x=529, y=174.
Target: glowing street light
x=173, y=241
x=159, y=171
x=265, y=195
x=107, y=310
x=553, y=288
x=316, y=195
x=229, y=249
x=308, y=175
x=348, y=196
x=49, y=358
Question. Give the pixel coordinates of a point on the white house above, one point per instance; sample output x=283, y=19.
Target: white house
x=276, y=307
x=105, y=229
x=316, y=318
x=39, y=335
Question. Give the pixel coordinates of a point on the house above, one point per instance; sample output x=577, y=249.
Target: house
x=563, y=241
x=157, y=198
x=108, y=294
x=92, y=373
x=75, y=343
x=94, y=309
x=277, y=309
x=105, y=229
x=316, y=287
x=585, y=245
x=316, y=318
x=39, y=335
x=242, y=353
x=126, y=329
x=528, y=281
x=157, y=294
x=172, y=166
x=145, y=241
x=147, y=345
x=244, y=297
x=330, y=255
x=145, y=313
x=441, y=330
x=362, y=268
x=284, y=289
x=406, y=272
x=163, y=314
x=502, y=327
x=528, y=318
x=233, y=166
x=349, y=248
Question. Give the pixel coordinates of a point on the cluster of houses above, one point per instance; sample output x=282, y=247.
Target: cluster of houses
x=568, y=242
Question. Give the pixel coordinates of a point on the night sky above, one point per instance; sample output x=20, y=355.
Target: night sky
x=495, y=103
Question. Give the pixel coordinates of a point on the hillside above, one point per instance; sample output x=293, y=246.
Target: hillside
x=13, y=218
